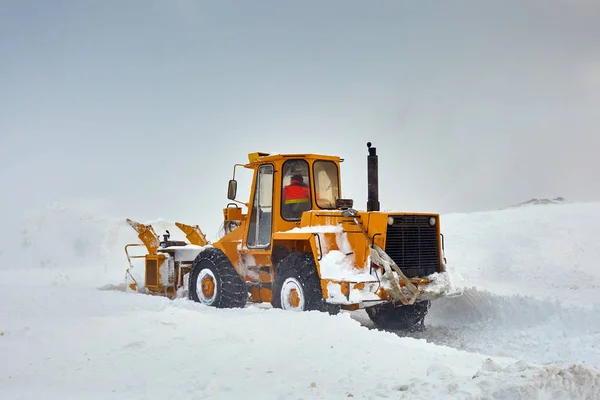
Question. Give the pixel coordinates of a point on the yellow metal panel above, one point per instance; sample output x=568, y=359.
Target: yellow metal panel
x=292, y=236
x=232, y=214
x=146, y=234
x=266, y=294
x=254, y=157
x=193, y=233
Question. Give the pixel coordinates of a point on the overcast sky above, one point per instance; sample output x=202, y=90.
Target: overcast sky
x=148, y=104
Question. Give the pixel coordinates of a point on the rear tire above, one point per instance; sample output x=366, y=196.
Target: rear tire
x=297, y=273
x=405, y=318
x=215, y=282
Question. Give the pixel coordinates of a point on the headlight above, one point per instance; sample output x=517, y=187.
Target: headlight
x=432, y=221
x=390, y=220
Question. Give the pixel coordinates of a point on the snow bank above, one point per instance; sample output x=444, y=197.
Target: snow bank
x=542, y=331
x=75, y=235
x=545, y=251
x=531, y=282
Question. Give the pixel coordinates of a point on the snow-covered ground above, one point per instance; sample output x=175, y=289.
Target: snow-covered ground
x=527, y=326
x=532, y=284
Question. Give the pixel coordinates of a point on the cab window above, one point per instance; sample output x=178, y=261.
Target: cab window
x=295, y=196
x=326, y=183
x=259, y=229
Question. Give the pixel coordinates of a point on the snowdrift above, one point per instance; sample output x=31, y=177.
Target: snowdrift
x=531, y=284
x=526, y=326
x=544, y=251
x=77, y=236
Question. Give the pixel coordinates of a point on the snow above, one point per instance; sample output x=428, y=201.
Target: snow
x=187, y=252
x=449, y=284
x=531, y=282
x=316, y=229
x=339, y=265
x=336, y=264
x=527, y=325
x=367, y=293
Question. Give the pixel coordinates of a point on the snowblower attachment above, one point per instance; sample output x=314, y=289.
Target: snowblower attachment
x=149, y=239
x=167, y=262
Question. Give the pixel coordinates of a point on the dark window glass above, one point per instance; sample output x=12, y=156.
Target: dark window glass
x=295, y=197
x=259, y=229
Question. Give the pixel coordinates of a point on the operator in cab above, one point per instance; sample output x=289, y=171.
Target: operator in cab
x=296, y=198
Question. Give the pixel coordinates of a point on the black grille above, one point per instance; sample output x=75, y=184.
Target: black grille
x=413, y=244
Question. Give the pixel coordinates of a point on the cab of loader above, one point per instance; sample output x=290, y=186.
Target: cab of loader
x=284, y=186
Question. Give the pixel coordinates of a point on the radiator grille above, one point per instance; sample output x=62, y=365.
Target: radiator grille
x=151, y=273
x=413, y=244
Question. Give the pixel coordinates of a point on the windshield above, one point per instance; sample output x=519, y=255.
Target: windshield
x=295, y=197
x=326, y=183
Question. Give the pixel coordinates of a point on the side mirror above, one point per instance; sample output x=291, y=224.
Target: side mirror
x=232, y=189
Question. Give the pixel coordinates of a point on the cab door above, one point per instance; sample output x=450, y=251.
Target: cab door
x=256, y=255
x=261, y=216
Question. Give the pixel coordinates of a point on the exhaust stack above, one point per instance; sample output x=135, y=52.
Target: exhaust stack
x=372, y=179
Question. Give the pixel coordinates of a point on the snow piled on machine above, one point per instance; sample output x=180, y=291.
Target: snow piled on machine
x=527, y=325
x=336, y=264
x=339, y=264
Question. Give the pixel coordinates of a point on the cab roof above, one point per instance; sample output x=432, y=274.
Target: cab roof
x=259, y=157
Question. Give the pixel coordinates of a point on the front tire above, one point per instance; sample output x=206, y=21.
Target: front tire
x=405, y=318
x=297, y=285
x=215, y=282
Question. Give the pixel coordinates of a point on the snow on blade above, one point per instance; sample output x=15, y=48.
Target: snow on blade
x=446, y=284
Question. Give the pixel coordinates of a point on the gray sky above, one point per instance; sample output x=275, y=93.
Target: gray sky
x=148, y=104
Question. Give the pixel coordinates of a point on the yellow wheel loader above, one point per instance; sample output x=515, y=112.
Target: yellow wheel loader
x=299, y=245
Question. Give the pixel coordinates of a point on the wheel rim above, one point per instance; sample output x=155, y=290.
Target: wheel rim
x=292, y=295
x=206, y=286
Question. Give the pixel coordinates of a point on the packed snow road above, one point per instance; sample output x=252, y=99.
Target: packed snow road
x=526, y=327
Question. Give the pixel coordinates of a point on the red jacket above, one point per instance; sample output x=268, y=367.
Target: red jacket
x=296, y=193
